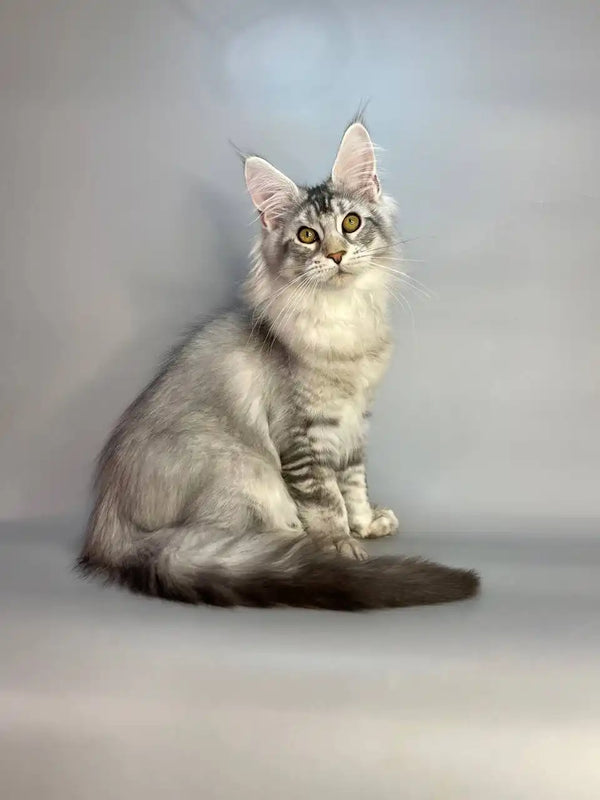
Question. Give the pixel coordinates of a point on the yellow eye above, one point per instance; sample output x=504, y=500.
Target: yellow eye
x=308, y=235
x=351, y=223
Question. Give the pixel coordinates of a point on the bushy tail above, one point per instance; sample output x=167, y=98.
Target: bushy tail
x=265, y=571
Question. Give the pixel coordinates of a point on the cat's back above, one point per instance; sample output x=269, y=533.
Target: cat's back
x=219, y=362
x=198, y=362
x=209, y=342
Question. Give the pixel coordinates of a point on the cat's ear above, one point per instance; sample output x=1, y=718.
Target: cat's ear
x=271, y=191
x=355, y=166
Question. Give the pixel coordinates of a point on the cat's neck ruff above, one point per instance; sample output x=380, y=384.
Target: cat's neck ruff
x=330, y=323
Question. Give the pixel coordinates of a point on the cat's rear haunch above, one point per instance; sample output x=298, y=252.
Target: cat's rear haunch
x=237, y=477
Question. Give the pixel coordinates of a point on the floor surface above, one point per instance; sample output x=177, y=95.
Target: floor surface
x=108, y=695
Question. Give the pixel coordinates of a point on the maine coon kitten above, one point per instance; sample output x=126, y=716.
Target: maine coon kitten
x=237, y=477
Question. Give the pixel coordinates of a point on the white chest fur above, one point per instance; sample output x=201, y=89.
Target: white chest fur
x=341, y=341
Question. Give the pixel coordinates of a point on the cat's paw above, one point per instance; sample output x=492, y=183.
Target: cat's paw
x=345, y=546
x=350, y=548
x=384, y=523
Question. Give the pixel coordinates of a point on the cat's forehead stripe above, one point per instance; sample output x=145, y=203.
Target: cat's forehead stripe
x=320, y=198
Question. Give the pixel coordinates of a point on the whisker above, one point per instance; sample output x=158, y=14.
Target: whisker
x=293, y=303
x=304, y=279
x=394, y=259
x=380, y=251
x=404, y=284
x=405, y=304
x=410, y=279
x=262, y=307
x=412, y=282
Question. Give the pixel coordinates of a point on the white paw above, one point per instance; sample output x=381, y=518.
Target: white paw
x=384, y=523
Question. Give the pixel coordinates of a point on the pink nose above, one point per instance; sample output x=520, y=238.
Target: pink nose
x=337, y=257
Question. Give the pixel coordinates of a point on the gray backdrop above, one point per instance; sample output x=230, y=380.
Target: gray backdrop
x=124, y=216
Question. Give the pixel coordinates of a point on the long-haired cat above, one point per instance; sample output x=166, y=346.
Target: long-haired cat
x=237, y=477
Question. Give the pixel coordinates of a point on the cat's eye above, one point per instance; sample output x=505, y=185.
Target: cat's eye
x=308, y=235
x=351, y=223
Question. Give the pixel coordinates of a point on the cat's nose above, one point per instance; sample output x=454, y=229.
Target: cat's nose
x=337, y=257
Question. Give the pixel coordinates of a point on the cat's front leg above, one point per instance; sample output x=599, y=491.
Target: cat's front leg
x=364, y=521
x=321, y=508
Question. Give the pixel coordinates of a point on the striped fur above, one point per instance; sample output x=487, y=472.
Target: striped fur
x=237, y=477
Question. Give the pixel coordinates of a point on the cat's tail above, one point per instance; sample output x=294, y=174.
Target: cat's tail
x=262, y=570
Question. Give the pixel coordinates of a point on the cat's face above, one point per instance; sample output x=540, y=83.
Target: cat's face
x=332, y=235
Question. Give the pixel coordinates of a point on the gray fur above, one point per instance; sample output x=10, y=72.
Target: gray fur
x=237, y=476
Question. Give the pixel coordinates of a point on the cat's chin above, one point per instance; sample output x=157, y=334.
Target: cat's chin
x=341, y=280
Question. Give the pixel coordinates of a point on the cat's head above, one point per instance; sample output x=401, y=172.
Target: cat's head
x=335, y=235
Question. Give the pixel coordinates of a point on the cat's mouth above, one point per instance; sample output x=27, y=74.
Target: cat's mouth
x=342, y=277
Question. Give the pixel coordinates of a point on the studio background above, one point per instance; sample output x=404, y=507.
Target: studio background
x=124, y=217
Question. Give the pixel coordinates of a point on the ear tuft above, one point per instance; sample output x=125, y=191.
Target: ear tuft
x=271, y=191
x=355, y=166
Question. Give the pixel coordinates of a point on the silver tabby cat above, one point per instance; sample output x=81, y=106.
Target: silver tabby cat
x=237, y=477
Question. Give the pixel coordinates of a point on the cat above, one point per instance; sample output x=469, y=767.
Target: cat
x=237, y=477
